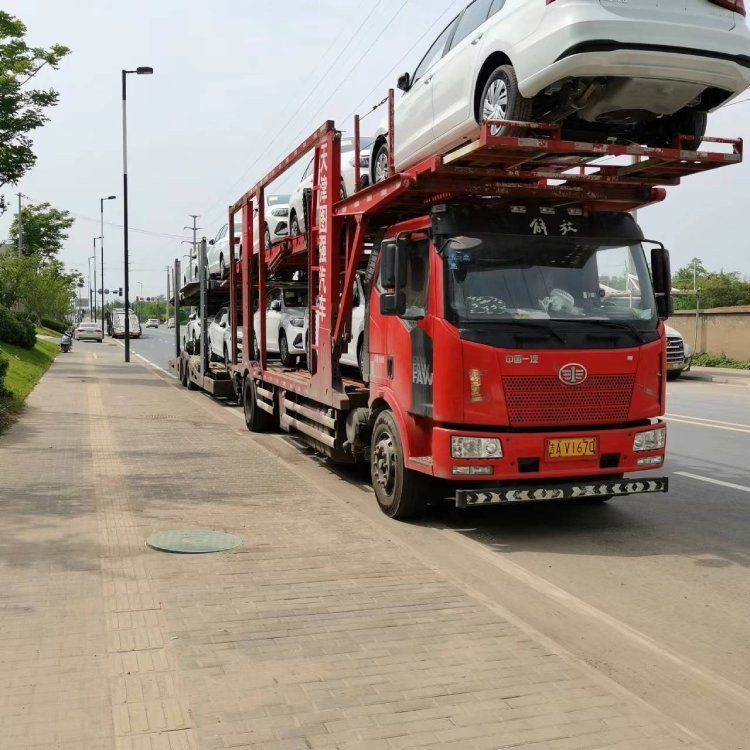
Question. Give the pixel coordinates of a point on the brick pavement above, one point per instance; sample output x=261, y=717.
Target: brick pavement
x=318, y=632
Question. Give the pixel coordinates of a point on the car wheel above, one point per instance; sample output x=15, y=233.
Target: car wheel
x=693, y=124
x=268, y=237
x=287, y=359
x=294, y=230
x=227, y=360
x=256, y=350
x=360, y=355
x=222, y=267
x=380, y=168
x=400, y=492
x=501, y=100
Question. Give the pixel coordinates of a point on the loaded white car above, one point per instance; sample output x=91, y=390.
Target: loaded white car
x=297, y=210
x=639, y=71
x=220, y=336
x=285, y=323
x=276, y=227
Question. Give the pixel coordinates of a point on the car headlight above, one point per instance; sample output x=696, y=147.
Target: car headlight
x=472, y=447
x=297, y=322
x=653, y=440
x=280, y=212
x=688, y=350
x=364, y=161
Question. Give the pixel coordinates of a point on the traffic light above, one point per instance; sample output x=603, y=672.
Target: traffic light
x=119, y=292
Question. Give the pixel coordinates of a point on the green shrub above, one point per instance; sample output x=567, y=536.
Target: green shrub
x=55, y=325
x=3, y=369
x=720, y=360
x=15, y=330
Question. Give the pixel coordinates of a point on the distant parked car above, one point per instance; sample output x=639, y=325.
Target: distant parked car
x=89, y=332
x=285, y=323
x=679, y=354
x=637, y=70
x=297, y=224
x=152, y=323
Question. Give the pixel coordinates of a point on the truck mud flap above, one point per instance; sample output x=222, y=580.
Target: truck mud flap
x=580, y=491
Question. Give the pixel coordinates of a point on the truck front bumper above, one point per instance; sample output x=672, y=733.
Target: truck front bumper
x=549, y=492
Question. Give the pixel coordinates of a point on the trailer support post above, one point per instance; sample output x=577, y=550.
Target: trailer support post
x=232, y=291
x=202, y=270
x=176, y=287
x=246, y=266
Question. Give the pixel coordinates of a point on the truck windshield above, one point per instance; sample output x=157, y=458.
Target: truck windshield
x=502, y=278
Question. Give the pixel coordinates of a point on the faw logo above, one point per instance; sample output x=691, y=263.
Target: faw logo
x=421, y=373
x=573, y=374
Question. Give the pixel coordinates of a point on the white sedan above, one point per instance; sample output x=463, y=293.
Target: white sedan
x=89, y=332
x=297, y=209
x=276, y=227
x=220, y=337
x=285, y=323
x=638, y=70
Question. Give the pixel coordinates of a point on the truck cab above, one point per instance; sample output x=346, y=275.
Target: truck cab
x=516, y=346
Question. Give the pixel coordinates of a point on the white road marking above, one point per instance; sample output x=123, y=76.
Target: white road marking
x=149, y=362
x=710, y=421
x=711, y=425
x=699, y=478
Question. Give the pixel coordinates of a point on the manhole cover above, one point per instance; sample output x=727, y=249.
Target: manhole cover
x=193, y=542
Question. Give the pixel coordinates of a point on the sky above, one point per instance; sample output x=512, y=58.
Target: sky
x=237, y=85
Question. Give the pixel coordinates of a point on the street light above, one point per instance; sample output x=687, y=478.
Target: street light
x=101, y=246
x=92, y=292
x=142, y=71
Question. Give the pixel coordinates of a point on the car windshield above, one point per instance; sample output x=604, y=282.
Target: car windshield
x=277, y=200
x=347, y=144
x=295, y=297
x=504, y=278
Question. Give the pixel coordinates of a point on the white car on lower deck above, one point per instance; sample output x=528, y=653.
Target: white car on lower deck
x=638, y=70
x=285, y=323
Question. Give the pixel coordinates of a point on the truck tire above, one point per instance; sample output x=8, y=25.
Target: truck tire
x=256, y=419
x=400, y=492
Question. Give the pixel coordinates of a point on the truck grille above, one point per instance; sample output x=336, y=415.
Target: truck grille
x=546, y=401
x=675, y=350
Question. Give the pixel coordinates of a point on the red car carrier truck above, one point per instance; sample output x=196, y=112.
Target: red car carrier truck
x=514, y=343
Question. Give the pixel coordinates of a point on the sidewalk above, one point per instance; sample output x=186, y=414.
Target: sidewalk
x=722, y=375
x=318, y=632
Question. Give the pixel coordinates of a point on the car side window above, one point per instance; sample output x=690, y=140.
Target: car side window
x=434, y=53
x=309, y=169
x=496, y=6
x=474, y=16
x=273, y=297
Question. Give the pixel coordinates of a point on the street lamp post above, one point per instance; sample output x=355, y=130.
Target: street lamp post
x=101, y=245
x=92, y=291
x=138, y=71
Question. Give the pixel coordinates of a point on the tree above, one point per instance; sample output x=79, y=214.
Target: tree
x=45, y=229
x=717, y=289
x=40, y=290
x=21, y=110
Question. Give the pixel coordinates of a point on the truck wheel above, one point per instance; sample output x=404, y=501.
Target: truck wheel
x=183, y=376
x=501, y=100
x=189, y=384
x=674, y=375
x=256, y=419
x=399, y=491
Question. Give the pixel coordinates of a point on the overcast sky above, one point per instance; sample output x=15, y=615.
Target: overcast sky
x=220, y=111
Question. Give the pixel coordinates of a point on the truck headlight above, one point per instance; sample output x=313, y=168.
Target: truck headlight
x=297, y=322
x=653, y=440
x=468, y=448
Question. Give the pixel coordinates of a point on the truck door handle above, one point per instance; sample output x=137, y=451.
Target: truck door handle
x=477, y=39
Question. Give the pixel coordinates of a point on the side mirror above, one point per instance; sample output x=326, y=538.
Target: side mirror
x=404, y=82
x=276, y=306
x=392, y=303
x=661, y=270
x=211, y=242
x=393, y=263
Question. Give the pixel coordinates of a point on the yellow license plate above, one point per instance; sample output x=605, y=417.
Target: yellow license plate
x=572, y=448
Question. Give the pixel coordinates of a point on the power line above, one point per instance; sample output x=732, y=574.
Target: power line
x=320, y=80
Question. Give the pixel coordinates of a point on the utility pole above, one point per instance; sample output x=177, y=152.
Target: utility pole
x=20, y=226
x=194, y=229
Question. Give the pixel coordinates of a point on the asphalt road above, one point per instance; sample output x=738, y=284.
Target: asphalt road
x=652, y=591
x=157, y=345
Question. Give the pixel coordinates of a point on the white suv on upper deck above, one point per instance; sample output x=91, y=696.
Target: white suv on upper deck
x=638, y=70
